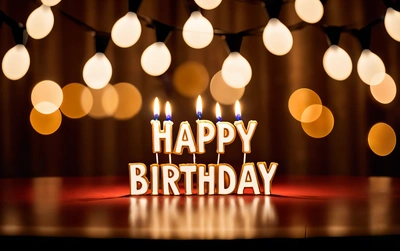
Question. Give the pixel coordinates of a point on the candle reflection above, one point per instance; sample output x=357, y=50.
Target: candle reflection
x=204, y=217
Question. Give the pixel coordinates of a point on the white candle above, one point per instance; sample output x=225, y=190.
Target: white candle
x=156, y=112
x=238, y=115
x=168, y=118
x=219, y=119
x=199, y=110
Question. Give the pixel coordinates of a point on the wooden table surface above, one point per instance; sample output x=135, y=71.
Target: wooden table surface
x=300, y=207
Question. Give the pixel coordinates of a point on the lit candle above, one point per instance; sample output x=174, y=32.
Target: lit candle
x=205, y=129
x=168, y=118
x=246, y=134
x=199, y=110
x=219, y=119
x=238, y=115
x=156, y=111
x=226, y=133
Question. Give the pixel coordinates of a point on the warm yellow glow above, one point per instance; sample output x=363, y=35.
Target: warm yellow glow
x=77, y=101
x=156, y=108
x=311, y=113
x=45, y=123
x=218, y=111
x=97, y=71
x=156, y=59
x=310, y=11
x=127, y=30
x=238, y=112
x=277, y=37
x=199, y=105
x=47, y=96
x=197, y=31
x=208, y=4
x=223, y=93
x=320, y=127
x=16, y=62
x=236, y=70
x=300, y=100
x=391, y=23
x=40, y=22
x=50, y=2
x=337, y=63
x=382, y=139
x=385, y=91
x=130, y=101
x=105, y=102
x=369, y=65
x=190, y=78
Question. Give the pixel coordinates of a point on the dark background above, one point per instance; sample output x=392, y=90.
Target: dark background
x=89, y=146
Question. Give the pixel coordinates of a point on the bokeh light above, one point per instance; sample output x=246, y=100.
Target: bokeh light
x=105, y=102
x=320, y=127
x=385, y=91
x=300, y=100
x=223, y=93
x=190, y=79
x=47, y=96
x=382, y=139
x=77, y=102
x=129, y=101
x=45, y=123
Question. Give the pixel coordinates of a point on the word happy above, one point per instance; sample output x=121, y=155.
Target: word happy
x=219, y=178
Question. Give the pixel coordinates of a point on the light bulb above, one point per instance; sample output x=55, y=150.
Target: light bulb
x=16, y=62
x=337, y=63
x=97, y=71
x=310, y=11
x=236, y=70
x=391, y=22
x=156, y=59
x=208, y=4
x=40, y=22
x=197, y=32
x=127, y=30
x=369, y=64
x=50, y=2
x=277, y=37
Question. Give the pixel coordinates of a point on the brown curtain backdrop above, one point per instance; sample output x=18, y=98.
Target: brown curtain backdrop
x=89, y=146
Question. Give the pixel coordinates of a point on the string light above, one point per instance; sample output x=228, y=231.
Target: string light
x=16, y=61
x=127, y=30
x=156, y=59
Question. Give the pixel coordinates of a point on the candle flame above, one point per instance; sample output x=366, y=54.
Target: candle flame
x=238, y=113
x=218, y=112
x=199, y=107
x=156, y=108
x=168, y=113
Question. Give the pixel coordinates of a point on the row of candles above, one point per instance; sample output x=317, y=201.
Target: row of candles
x=168, y=121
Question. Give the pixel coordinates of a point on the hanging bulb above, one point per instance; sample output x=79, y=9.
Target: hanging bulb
x=277, y=37
x=197, y=32
x=16, y=62
x=156, y=59
x=369, y=65
x=97, y=71
x=208, y=4
x=50, y=2
x=337, y=63
x=40, y=22
x=310, y=11
x=391, y=22
x=127, y=30
x=236, y=70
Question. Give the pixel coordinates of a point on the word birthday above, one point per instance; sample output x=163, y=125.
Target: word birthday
x=219, y=178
